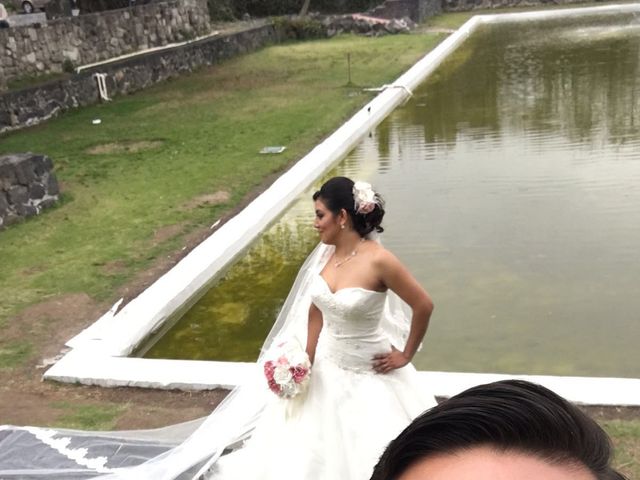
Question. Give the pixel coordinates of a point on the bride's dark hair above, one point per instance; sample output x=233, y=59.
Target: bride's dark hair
x=337, y=193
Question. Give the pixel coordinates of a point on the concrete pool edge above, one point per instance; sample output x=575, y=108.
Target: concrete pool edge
x=98, y=354
x=80, y=367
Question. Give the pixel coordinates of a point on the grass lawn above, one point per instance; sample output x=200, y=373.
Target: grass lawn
x=171, y=160
x=626, y=440
x=88, y=417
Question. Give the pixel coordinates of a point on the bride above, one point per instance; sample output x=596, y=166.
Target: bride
x=363, y=390
x=362, y=317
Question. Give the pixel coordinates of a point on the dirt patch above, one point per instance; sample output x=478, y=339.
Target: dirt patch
x=34, y=270
x=612, y=413
x=33, y=402
x=49, y=324
x=124, y=147
x=26, y=400
x=208, y=199
x=115, y=267
x=163, y=234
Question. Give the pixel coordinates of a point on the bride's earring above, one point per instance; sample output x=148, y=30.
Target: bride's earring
x=342, y=226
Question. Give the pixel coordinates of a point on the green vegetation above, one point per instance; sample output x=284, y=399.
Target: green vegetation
x=32, y=80
x=300, y=28
x=13, y=354
x=88, y=417
x=137, y=183
x=626, y=439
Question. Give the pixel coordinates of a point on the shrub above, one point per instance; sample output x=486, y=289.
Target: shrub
x=299, y=28
x=68, y=66
x=221, y=10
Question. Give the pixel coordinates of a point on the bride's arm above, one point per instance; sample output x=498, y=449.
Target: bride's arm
x=313, y=332
x=397, y=278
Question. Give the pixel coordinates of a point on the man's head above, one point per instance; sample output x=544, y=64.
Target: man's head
x=504, y=430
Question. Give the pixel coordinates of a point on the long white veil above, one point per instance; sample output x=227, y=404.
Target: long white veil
x=187, y=450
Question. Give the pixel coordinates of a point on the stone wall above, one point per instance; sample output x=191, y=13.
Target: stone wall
x=31, y=106
x=27, y=185
x=68, y=42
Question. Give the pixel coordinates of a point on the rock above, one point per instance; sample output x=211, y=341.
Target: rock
x=7, y=171
x=364, y=25
x=73, y=54
x=12, y=219
x=47, y=203
x=27, y=185
x=52, y=185
x=18, y=195
x=30, y=58
x=26, y=210
x=4, y=204
x=41, y=164
x=36, y=191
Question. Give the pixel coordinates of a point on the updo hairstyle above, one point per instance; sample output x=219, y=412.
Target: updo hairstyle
x=337, y=194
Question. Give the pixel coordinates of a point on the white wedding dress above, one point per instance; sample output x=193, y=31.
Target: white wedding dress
x=339, y=428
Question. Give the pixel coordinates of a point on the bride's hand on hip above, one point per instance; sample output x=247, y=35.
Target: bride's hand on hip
x=385, y=362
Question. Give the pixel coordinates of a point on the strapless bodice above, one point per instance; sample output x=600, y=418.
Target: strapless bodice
x=351, y=332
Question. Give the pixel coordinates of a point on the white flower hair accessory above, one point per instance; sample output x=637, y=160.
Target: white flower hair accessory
x=364, y=198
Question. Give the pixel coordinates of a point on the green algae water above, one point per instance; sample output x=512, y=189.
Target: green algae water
x=512, y=182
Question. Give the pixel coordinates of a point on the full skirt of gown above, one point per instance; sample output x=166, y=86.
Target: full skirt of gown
x=336, y=430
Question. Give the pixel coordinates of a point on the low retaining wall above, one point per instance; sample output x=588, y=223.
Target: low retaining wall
x=31, y=106
x=27, y=185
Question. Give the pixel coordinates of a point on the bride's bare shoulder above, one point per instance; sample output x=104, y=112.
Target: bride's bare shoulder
x=383, y=258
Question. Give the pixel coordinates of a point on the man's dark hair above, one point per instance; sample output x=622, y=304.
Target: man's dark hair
x=511, y=415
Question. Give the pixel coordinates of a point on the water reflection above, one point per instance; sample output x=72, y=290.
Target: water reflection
x=512, y=182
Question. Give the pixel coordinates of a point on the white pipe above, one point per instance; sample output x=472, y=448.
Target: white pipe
x=146, y=50
x=101, y=78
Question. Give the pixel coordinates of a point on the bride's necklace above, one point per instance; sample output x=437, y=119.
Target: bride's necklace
x=354, y=252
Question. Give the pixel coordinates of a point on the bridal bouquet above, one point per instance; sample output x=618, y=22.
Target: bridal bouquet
x=287, y=369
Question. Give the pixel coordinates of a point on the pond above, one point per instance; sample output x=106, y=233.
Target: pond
x=512, y=182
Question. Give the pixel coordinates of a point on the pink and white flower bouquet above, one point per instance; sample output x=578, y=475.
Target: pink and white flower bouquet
x=287, y=369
